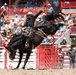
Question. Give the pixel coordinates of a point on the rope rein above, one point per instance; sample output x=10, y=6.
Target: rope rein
x=39, y=32
x=43, y=35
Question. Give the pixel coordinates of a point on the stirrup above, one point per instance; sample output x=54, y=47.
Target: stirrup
x=26, y=45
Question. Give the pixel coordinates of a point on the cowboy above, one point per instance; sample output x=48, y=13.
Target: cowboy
x=30, y=19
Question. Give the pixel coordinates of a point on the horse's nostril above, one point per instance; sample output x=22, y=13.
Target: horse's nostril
x=12, y=58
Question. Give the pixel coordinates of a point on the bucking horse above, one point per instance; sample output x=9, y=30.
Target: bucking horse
x=17, y=42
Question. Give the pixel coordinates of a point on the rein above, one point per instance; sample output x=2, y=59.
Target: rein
x=42, y=34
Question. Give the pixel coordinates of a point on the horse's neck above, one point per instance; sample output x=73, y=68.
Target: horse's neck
x=14, y=39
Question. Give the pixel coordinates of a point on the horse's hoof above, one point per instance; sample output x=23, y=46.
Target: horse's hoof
x=14, y=69
x=30, y=69
x=22, y=68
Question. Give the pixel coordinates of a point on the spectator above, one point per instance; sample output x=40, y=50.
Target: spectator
x=22, y=20
x=71, y=53
x=2, y=14
x=5, y=7
x=17, y=18
x=61, y=58
x=56, y=5
x=18, y=30
x=12, y=22
x=50, y=12
x=10, y=32
x=3, y=32
x=7, y=19
x=64, y=42
x=46, y=40
x=1, y=22
x=63, y=28
x=70, y=21
x=30, y=4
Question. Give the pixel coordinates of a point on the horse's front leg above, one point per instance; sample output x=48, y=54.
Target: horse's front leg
x=21, y=55
x=26, y=59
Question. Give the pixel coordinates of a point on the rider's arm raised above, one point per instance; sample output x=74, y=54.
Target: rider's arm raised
x=37, y=14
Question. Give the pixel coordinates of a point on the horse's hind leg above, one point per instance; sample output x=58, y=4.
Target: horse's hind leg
x=26, y=59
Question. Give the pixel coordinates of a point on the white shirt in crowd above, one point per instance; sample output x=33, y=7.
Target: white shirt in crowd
x=56, y=3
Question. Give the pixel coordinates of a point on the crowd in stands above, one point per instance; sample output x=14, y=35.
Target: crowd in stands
x=12, y=24
x=70, y=21
x=28, y=3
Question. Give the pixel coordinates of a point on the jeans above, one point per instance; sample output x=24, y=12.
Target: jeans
x=72, y=62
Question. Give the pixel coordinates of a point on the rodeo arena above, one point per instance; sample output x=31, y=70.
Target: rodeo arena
x=37, y=37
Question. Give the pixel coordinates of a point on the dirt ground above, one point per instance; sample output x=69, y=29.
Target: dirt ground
x=38, y=72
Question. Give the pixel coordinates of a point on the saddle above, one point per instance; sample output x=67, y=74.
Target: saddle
x=28, y=31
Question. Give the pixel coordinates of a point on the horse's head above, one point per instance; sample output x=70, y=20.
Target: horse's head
x=13, y=45
x=11, y=52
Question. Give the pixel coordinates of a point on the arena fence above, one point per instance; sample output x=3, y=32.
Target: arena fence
x=45, y=56
x=5, y=62
x=65, y=48
x=2, y=57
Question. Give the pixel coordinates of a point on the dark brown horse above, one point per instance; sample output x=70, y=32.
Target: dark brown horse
x=18, y=42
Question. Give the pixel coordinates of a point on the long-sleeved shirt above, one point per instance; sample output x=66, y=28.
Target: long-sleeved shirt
x=71, y=53
x=30, y=22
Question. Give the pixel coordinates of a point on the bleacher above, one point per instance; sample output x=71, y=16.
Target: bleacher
x=73, y=31
x=2, y=57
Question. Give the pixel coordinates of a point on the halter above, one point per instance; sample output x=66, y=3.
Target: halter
x=12, y=53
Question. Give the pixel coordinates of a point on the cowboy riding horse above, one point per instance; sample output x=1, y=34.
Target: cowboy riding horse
x=17, y=42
